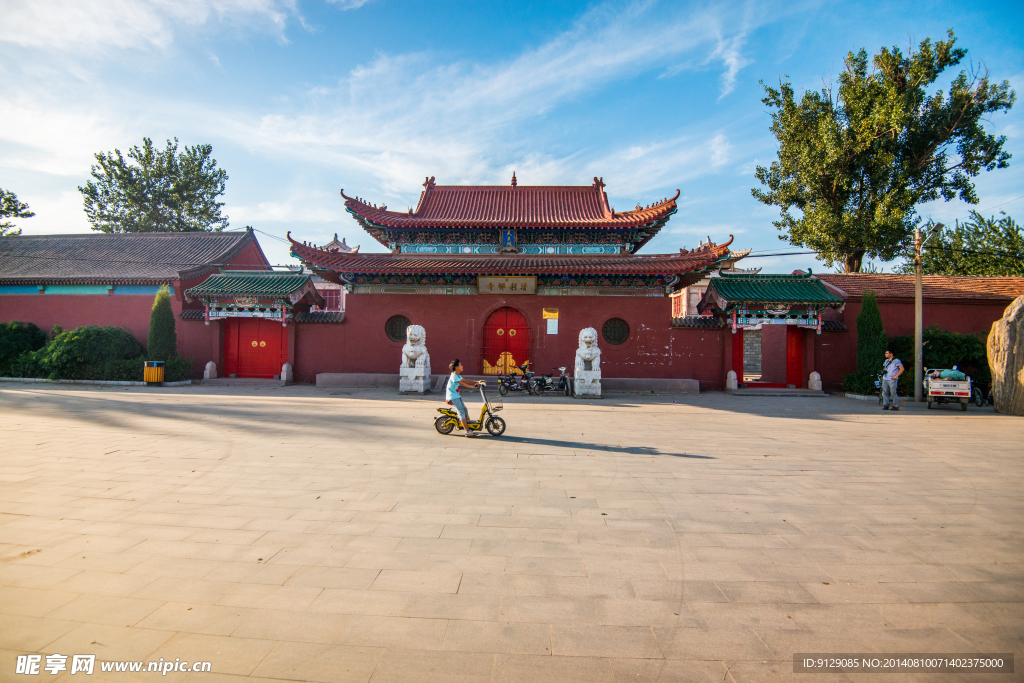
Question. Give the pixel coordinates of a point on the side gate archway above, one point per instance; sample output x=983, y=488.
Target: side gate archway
x=506, y=341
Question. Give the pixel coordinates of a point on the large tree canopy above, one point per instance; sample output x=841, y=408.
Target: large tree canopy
x=10, y=207
x=854, y=163
x=156, y=190
x=979, y=246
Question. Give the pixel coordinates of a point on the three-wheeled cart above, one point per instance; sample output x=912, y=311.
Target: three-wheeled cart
x=955, y=387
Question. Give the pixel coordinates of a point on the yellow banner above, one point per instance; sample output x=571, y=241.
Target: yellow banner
x=550, y=314
x=508, y=284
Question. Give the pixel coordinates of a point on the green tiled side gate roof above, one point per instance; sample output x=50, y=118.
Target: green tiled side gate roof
x=740, y=288
x=250, y=283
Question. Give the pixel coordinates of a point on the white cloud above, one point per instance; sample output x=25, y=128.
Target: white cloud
x=72, y=25
x=400, y=117
x=349, y=4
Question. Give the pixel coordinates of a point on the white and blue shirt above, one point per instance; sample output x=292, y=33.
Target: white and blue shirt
x=452, y=392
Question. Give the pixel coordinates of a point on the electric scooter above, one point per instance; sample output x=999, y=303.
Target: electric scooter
x=494, y=425
x=514, y=382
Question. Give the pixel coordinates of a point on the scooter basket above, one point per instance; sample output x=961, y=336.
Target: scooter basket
x=495, y=403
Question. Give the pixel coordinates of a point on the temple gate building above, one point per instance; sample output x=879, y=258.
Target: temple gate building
x=504, y=275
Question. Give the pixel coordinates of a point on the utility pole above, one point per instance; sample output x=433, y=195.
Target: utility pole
x=918, y=320
x=919, y=241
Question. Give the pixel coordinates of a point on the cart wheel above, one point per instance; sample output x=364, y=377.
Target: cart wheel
x=496, y=426
x=978, y=396
x=963, y=406
x=444, y=424
x=503, y=390
x=879, y=399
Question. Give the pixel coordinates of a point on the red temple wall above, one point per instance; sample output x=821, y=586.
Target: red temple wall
x=453, y=323
x=130, y=311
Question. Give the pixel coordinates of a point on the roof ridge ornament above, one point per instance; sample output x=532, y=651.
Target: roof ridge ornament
x=429, y=182
x=598, y=182
x=514, y=181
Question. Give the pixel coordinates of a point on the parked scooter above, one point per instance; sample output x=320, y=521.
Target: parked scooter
x=516, y=382
x=561, y=384
x=564, y=382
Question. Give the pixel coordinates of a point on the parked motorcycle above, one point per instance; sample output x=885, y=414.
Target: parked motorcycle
x=516, y=382
x=551, y=383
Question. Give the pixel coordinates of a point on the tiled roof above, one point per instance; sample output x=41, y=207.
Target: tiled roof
x=260, y=283
x=132, y=258
x=192, y=314
x=697, y=260
x=542, y=206
x=889, y=286
x=730, y=289
x=698, y=321
x=320, y=317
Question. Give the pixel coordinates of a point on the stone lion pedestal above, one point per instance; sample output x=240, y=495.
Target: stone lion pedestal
x=414, y=373
x=588, y=365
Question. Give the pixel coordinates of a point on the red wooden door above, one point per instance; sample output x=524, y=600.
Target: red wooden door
x=795, y=356
x=506, y=342
x=272, y=344
x=254, y=347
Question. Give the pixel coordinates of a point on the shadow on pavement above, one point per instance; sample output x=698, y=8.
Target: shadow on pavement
x=582, y=445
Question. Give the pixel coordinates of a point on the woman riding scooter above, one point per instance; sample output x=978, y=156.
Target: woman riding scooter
x=452, y=393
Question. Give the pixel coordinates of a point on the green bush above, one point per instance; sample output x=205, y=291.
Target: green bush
x=89, y=352
x=163, y=341
x=17, y=338
x=944, y=349
x=177, y=368
x=96, y=353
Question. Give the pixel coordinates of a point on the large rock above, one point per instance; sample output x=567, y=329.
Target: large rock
x=1006, y=359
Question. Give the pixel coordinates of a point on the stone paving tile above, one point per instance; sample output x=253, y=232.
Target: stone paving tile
x=498, y=637
x=240, y=526
x=412, y=666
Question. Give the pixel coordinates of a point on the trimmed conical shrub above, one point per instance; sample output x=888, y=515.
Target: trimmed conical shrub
x=871, y=339
x=871, y=343
x=163, y=340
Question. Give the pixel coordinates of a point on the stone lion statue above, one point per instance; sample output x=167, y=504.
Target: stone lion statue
x=414, y=373
x=414, y=353
x=588, y=355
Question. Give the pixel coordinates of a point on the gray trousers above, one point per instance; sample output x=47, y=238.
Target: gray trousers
x=889, y=392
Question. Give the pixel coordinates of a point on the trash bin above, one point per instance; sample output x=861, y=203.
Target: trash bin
x=153, y=372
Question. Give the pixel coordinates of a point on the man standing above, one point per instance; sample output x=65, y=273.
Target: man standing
x=891, y=371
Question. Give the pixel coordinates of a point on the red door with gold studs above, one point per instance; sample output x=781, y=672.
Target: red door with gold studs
x=254, y=347
x=506, y=342
x=795, y=356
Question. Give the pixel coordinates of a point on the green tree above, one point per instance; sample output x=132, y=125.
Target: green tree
x=163, y=339
x=979, y=246
x=854, y=163
x=156, y=190
x=10, y=207
x=871, y=343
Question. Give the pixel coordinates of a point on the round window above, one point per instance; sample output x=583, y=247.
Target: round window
x=615, y=331
x=395, y=328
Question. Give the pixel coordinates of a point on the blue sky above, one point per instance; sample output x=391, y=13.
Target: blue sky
x=300, y=98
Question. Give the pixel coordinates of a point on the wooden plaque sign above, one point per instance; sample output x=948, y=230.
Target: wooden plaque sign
x=507, y=284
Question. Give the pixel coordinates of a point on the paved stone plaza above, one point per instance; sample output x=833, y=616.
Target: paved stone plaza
x=328, y=535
